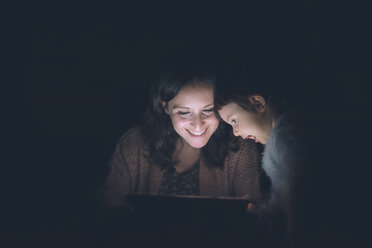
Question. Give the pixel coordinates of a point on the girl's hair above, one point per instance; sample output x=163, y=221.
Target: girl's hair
x=157, y=125
x=239, y=88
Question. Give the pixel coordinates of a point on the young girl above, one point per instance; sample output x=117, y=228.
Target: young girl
x=253, y=115
x=181, y=148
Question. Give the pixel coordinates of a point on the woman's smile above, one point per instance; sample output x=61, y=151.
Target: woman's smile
x=196, y=134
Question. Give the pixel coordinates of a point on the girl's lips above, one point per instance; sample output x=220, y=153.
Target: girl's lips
x=251, y=137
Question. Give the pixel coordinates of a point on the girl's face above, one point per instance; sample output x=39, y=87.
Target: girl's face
x=248, y=125
x=191, y=113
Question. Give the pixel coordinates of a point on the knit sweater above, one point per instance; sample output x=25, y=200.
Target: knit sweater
x=130, y=172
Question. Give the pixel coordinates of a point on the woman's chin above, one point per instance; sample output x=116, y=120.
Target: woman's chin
x=197, y=143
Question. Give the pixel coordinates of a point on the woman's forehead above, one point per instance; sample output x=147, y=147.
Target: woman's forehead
x=193, y=94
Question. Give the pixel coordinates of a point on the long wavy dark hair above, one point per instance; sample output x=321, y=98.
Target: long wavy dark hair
x=157, y=125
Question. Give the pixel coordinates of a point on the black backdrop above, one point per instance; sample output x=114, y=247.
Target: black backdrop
x=83, y=72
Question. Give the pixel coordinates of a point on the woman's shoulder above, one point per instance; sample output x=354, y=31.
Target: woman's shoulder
x=244, y=149
x=132, y=133
x=133, y=139
x=246, y=144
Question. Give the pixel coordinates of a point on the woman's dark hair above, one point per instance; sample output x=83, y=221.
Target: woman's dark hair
x=157, y=125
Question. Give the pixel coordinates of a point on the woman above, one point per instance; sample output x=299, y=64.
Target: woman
x=181, y=149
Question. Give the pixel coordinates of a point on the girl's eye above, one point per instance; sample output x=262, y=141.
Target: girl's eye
x=233, y=121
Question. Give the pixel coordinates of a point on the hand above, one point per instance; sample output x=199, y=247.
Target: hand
x=251, y=207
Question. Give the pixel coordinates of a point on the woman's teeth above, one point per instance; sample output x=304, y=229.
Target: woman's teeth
x=196, y=133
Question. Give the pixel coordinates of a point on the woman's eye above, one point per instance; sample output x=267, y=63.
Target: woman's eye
x=233, y=121
x=208, y=110
x=183, y=113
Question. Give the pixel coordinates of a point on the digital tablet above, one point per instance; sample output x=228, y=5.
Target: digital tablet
x=188, y=204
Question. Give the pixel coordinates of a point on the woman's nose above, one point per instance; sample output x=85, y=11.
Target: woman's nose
x=198, y=122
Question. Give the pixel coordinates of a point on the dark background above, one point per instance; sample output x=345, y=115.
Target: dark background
x=82, y=73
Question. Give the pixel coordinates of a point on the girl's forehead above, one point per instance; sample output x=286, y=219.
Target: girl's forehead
x=230, y=108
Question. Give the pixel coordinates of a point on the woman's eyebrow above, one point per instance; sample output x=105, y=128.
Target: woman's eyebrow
x=176, y=107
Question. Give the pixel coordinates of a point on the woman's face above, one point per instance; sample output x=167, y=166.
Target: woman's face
x=191, y=113
x=248, y=125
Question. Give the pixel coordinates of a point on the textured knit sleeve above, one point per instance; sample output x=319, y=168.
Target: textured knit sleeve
x=246, y=172
x=123, y=169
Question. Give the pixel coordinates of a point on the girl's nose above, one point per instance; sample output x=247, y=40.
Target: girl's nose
x=235, y=131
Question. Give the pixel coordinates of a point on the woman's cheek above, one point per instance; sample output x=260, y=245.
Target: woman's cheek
x=212, y=121
x=180, y=121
